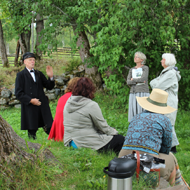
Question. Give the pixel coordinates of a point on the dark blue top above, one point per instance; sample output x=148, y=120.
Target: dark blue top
x=149, y=132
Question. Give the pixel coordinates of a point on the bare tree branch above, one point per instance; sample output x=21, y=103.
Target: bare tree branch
x=60, y=10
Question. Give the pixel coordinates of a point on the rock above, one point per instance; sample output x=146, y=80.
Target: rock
x=6, y=93
x=70, y=76
x=81, y=68
x=51, y=96
x=14, y=102
x=3, y=101
x=50, y=91
x=66, y=78
x=57, y=91
x=67, y=72
x=17, y=106
x=59, y=81
x=13, y=91
x=78, y=73
x=12, y=97
x=63, y=89
x=75, y=71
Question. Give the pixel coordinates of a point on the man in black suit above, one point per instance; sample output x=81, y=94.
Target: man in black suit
x=35, y=110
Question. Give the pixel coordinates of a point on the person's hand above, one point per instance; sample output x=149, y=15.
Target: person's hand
x=131, y=78
x=49, y=71
x=35, y=102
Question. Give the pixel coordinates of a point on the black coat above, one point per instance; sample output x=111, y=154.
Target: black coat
x=33, y=117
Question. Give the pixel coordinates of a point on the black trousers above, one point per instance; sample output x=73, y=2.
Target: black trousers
x=115, y=144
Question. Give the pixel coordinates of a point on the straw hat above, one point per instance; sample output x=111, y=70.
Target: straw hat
x=156, y=102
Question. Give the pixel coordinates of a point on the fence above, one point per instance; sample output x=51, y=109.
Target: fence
x=60, y=53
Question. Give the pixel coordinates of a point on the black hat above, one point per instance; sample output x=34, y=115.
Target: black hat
x=28, y=55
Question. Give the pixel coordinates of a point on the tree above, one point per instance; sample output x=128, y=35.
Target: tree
x=66, y=13
x=21, y=18
x=153, y=27
x=5, y=61
x=39, y=28
x=13, y=150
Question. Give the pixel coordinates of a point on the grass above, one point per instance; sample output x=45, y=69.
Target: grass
x=83, y=168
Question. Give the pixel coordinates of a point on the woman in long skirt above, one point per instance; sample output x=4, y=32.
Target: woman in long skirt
x=137, y=80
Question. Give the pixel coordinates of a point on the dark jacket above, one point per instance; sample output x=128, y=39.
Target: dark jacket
x=33, y=117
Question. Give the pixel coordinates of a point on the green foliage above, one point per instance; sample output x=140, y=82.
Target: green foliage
x=151, y=27
x=73, y=64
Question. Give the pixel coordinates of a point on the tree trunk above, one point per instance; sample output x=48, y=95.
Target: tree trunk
x=39, y=28
x=13, y=145
x=7, y=142
x=16, y=63
x=84, y=51
x=5, y=61
x=27, y=35
x=12, y=151
x=22, y=46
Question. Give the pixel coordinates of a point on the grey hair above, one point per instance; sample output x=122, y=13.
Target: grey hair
x=141, y=56
x=170, y=59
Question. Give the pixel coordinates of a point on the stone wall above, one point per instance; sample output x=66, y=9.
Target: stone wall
x=8, y=98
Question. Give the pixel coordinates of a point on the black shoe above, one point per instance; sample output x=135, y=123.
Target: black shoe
x=47, y=130
x=32, y=134
x=173, y=150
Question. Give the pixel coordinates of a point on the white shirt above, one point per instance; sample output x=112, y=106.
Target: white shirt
x=32, y=74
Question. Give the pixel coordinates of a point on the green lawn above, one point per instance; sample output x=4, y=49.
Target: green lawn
x=83, y=168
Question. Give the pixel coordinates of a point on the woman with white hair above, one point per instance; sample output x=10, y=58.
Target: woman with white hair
x=137, y=80
x=168, y=81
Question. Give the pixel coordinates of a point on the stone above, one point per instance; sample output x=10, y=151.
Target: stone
x=57, y=91
x=67, y=72
x=59, y=81
x=17, y=106
x=63, y=89
x=81, y=68
x=3, y=101
x=50, y=91
x=6, y=93
x=14, y=102
x=66, y=78
x=51, y=96
x=70, y=76
x=12, y=97
x=78, y=73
